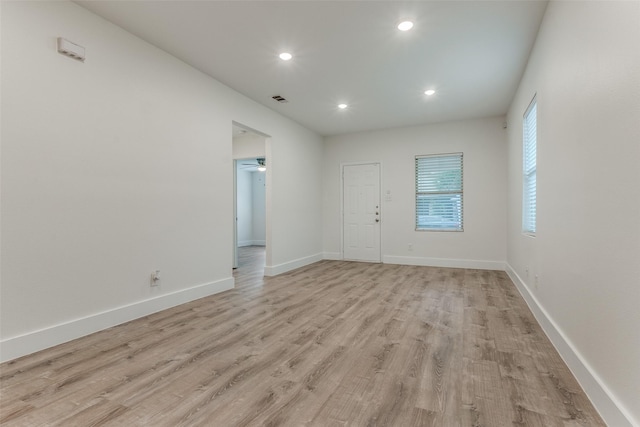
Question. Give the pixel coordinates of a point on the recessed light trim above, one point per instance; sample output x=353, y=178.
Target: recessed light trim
x=429, y=92
x=405, y=25
x=342, y=106
x=285, y=56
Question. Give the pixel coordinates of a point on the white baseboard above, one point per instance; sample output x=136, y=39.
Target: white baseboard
x=444, y=262
x=14, y=347
x=274, y=270
x=603, y=400
x=334, y=256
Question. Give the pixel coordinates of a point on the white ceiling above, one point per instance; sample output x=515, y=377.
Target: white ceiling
x=473, y=53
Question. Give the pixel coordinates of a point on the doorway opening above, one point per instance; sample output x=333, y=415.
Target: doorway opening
x=251, y=262
x=250, y=195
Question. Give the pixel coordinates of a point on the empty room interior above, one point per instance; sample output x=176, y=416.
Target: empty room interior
x=322, y=213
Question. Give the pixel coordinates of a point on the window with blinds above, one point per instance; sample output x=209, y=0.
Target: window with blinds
x=529, y=138
x=439, y=192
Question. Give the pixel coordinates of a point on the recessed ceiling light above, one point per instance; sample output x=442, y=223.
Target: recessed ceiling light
x=285, y=56
x=429, y=92
x=342, y=106
x=405, y=25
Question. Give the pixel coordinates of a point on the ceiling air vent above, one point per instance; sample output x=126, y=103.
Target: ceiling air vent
x=70, y=49
x=279, y=98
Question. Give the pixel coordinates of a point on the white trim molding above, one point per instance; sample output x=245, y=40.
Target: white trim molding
x=274, y=270
x=18, y=346
x=444, y=262
x=610, y=409
x=333, y=256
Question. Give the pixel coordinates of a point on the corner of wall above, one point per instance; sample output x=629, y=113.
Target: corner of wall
x=601, y=397
x=333, y=256
x=274, y=270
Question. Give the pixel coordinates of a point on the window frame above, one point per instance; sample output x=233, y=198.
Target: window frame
x=530, y=168
x=457, y=192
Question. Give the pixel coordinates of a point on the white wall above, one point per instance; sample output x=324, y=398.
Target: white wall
x=119, y=166
x=251, y=208
x=244, y=196
x=293, y=204
x=483, y=142
x=249, y=145
x=585, y=69
x=258, y=209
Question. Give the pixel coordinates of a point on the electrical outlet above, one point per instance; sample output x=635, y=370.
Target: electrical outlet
x=410, y=247
x=535, y=281
x=155, y=278
x=526, y=271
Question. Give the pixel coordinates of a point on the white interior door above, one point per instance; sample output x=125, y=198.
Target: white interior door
x=361, y=207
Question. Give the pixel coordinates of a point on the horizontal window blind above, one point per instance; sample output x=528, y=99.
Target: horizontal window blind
x=439, y=196
x=529, y=169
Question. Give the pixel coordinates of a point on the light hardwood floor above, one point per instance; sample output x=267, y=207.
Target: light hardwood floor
x=331, y=344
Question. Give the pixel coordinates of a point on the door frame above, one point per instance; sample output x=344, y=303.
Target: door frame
x=235, y=214
x=342, y=166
